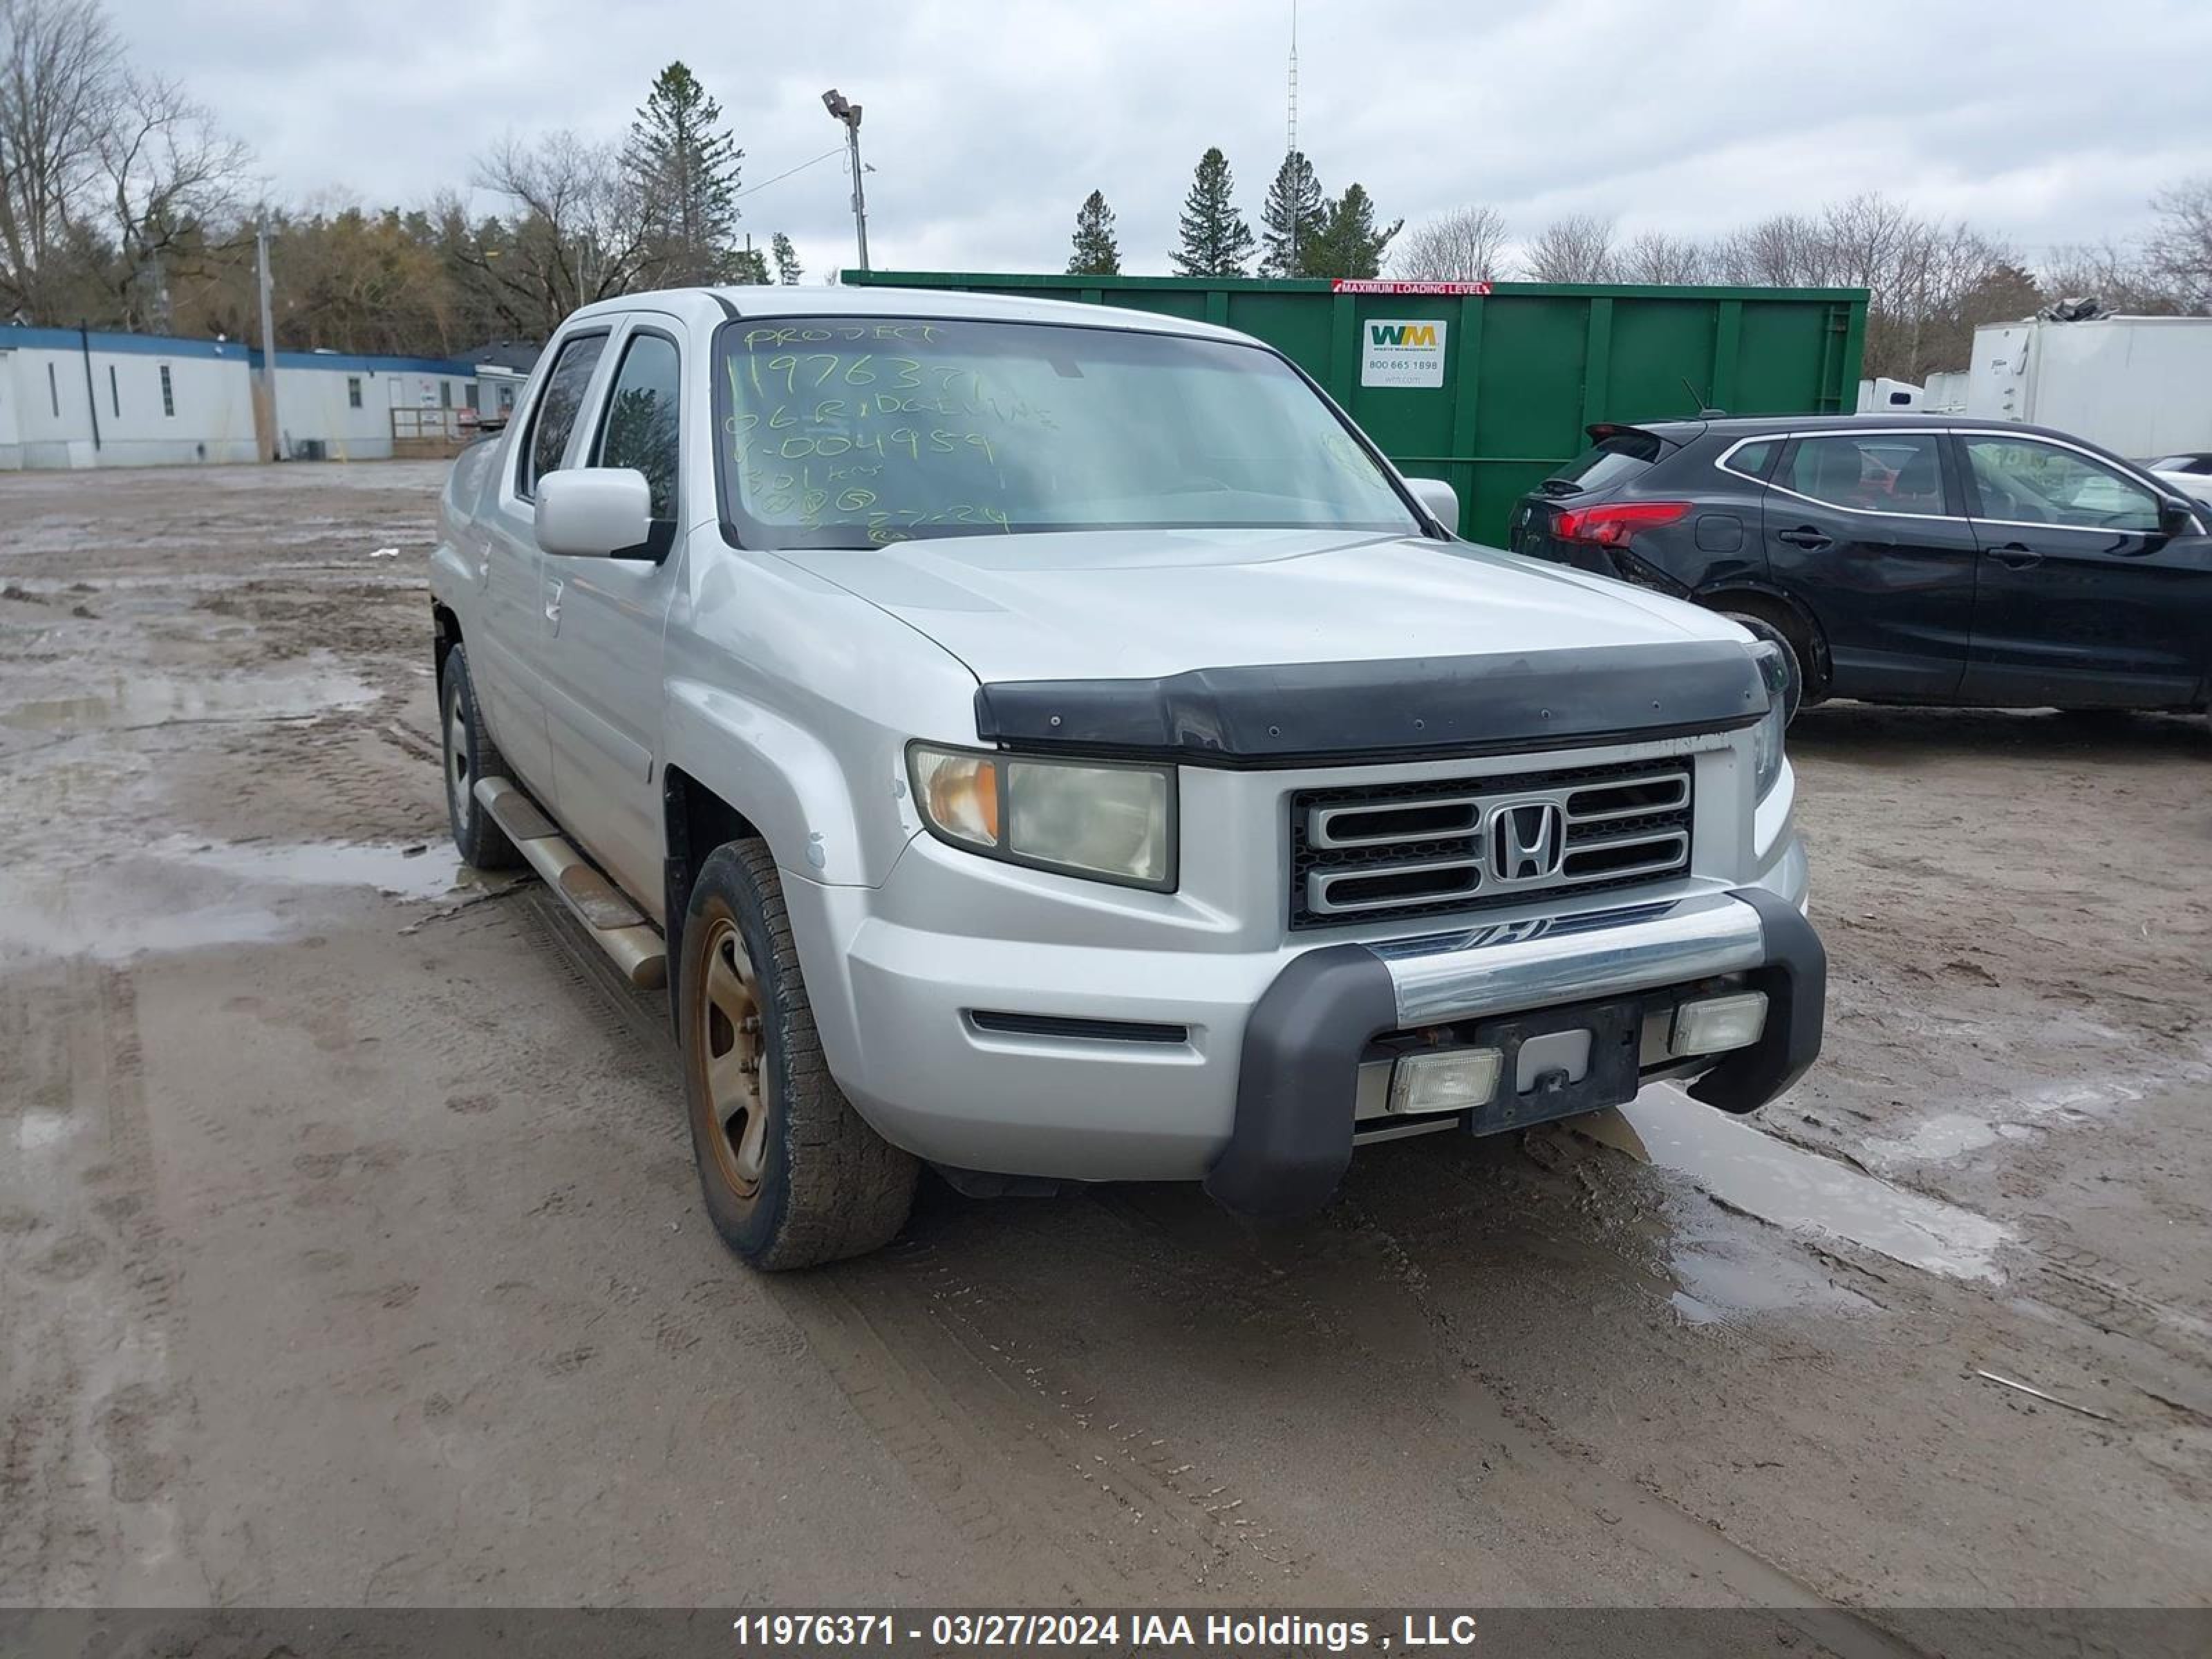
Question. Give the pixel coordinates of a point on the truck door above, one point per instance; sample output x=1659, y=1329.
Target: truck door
x=2085, y=600
x=510, y=657
x=604, y=618
x=1864, y=527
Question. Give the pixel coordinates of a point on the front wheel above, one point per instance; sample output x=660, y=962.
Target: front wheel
x=470, y=754
x=792, y=1174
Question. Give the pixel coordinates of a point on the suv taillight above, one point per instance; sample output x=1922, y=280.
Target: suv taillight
x=1611, y=526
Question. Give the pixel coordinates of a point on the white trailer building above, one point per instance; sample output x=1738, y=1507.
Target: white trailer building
x=74, y=398
x=340, y=407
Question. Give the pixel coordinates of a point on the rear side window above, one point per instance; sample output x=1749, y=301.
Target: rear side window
x=640, y=426
x=1614, y=460
x=1752, y=460
x=1869, y=472
x=555, y=418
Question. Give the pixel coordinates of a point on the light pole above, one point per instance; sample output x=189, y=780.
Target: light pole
x=849, y=115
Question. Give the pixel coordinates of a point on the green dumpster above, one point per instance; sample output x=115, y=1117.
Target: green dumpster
x=1489, y=386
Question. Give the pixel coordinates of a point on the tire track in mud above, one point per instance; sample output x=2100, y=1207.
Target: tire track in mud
x=1016, y=1448
x=1341, y=1301
x=94, y=1413
x=1654, y=1522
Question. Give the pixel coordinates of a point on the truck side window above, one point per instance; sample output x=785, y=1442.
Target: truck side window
x=555, y=416
x=639, y=428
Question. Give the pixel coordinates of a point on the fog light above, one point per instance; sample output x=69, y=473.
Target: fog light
x=1719, y=1024
x=1445, y=1080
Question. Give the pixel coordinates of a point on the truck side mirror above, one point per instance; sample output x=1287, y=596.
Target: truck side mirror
x=593, y=512
x=1441, y=500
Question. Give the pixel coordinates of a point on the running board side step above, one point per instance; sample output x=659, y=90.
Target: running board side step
x=632, y=942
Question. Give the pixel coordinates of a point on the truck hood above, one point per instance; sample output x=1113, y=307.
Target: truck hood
x=1148, y=605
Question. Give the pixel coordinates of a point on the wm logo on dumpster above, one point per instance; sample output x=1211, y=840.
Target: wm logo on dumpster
x=1401, y=334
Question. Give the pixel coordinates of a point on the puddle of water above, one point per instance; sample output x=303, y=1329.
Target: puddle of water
x=1799, y=1191
x=427, y=874
x=1716, y=1276
x=1944, y=1136
x=43, y=920
x=1937, y=1139
x=149, y=697
x=183, y=894
x=38, y=1127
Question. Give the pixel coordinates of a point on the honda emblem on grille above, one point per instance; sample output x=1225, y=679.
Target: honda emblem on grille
x=1528, y=839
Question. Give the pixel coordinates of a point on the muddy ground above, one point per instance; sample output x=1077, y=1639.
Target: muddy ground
x=350, y=1250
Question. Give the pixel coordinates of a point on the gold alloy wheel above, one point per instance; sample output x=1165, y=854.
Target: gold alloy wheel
x=729, y=1057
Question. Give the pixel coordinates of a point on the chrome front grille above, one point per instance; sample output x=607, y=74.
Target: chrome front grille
x=1387, y=851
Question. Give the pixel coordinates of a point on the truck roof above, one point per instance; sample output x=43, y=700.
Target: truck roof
x=778, y=300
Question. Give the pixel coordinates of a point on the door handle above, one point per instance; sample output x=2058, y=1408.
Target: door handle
x=2016, y=556
x=1805, y=536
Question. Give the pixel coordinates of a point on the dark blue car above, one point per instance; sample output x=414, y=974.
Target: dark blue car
x=1904, y=558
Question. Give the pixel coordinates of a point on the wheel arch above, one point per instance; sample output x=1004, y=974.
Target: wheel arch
x=695, y=821
x=445, y=634
x=1787, y=612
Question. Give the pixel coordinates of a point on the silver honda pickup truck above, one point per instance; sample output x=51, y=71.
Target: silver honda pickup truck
x=1052, y=743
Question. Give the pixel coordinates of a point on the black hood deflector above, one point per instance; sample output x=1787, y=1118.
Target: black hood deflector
x=1291, y=713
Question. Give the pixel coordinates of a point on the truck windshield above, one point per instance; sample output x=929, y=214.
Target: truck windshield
x=858, y=432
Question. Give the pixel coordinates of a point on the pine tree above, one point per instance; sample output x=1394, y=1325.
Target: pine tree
x=1346, y=242
x=787, y=268
x=1215, y=241
x=1094, y=253
x=685, y=168
x=745, y=264
x=1291, y=217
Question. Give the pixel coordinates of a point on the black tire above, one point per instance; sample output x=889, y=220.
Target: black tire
x=1760, y=628
x=816, y=1184
x=470, y=754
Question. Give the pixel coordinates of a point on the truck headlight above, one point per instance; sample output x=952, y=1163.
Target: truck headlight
x=1109, y=822
x=1766, y=735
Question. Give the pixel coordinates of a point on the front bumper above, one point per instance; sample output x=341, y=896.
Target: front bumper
x=1305, y=1041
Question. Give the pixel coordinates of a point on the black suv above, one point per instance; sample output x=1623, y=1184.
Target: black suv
x=1904, y=558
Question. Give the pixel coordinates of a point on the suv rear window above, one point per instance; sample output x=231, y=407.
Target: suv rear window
x=1614, y=460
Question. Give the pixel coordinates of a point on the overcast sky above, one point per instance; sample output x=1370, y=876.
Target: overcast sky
x=987, y=123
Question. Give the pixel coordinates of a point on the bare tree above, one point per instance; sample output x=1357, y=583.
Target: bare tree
x=58, y=63
x=2114, y=272
x=1868, y=239
x=169, y=174
x=579, y=235
x=2180, y=250
x=1576, y=249
x=1656, y=257
x=1786, y=251
x=1467, y=245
